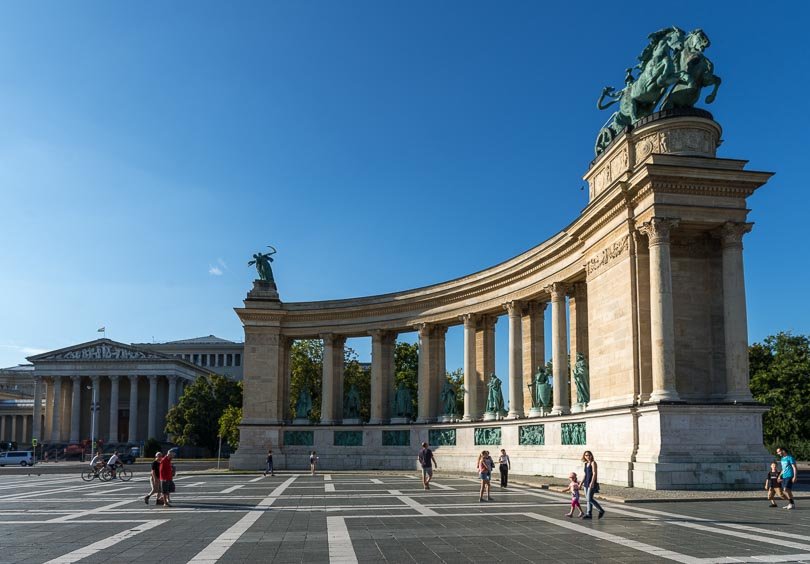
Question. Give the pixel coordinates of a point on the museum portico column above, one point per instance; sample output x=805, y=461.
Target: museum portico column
x=132, y=435
x=734, y=312
x=332, y=394
x=382, y=380
x=152, y=421
x=559, y=349
x=96, y=381
x=56, y=416
x=36, y=424
x=113, y=438
x=439, y=369
x=662, y=321
x=515, y=312
x=75, y=408
x=172, y=391
x=470, y=386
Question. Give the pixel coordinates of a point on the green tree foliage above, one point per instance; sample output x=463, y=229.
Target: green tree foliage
x=356, y=374
x=780, y=378
x=150, y=447
x=456, y=378
x=195, y=419
x=406, y=369
x=229, y=425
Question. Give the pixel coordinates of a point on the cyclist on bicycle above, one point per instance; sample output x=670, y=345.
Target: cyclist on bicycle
x=98, y=462
x=113, y=463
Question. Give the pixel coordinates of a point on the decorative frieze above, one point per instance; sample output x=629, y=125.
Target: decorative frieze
x=573, y=433
x=103, y=352
x=299, y=438
x=488, y=436
x=534, y=435
x=442, y=437
x=608, y=255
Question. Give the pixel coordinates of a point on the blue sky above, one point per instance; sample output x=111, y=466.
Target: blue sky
x=148, y=149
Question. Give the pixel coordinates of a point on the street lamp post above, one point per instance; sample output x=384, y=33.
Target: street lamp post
x=94, y=406
x=219, y=451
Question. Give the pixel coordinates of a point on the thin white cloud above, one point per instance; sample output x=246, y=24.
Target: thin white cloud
x=222, y=263
x=214, y=271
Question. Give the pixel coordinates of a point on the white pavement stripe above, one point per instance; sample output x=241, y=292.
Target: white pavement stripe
x=764, y=558
x=97, y=547
x=327, y=477
x=257, y=479
x=376, y=481
x=441, y=486
x=664, y=514
x=232, y=488
x=329, y=488
x=28, y=495
x=214, y=551
x=636, y=545
x=95, y=510
x=416, y=505
x=341, y=550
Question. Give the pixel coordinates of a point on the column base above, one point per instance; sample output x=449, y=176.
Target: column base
x=664, y=395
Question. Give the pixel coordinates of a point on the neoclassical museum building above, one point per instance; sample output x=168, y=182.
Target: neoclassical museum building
x=647, y=285
x=134, y=386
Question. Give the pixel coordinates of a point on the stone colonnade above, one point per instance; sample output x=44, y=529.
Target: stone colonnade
x=16, y=428
x=63, y=410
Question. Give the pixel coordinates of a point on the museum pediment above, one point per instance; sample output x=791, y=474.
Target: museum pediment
x=100, y=350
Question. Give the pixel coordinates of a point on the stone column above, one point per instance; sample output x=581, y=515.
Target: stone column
x=56, y=421
x=14, y=430
x=439, y=370
x=113, y=438
x=534, y=346
x=425, y=378
x=75, y=408
x=470, y=378
x=515, y=312
x=559, y=348
x=3, y=428
x=484, y=357
x=152, y=421
x=578, y=333
x=332, y=396
x=133, y=410
x=25, y=438
x=735, y=319
x=381, y=375
x=172, y=391
x=662, y=319
x=96, y=394
x=36, y=424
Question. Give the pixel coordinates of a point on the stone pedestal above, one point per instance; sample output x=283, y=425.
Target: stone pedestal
x=400, y=420
x=264, y=290
x=536, y=412
x=301, y=421
x=352, y=421
x=490, y=416
x=578, y=408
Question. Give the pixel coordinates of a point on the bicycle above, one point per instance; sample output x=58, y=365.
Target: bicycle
x=90, y=474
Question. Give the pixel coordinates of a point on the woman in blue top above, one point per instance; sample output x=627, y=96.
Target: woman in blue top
x=590, y=483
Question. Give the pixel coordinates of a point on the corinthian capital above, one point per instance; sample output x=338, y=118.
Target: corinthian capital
x=514, y=308
x=557, y=291
x=731, y=234
x=657, y=230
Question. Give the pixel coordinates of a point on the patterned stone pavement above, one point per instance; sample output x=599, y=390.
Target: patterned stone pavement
x=362, y=518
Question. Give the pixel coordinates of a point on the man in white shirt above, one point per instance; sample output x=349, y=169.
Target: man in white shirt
x=112, y=463
x=98, y=461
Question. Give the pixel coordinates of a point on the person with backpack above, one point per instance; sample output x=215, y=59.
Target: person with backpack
x=427, y=460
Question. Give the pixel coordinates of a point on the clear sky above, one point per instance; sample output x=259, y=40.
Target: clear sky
x=148, y=149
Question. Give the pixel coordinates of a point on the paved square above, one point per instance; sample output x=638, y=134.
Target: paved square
x=368, y=518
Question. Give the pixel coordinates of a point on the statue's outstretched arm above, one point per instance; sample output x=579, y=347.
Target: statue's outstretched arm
x=608, y=91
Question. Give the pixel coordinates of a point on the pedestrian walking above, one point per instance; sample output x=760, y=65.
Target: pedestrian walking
x=573, y=487
x=504, y=466
x=167, y=478
x=788, y=476
x=591, y=485
x=773, y=484
x=154, y=480
x=427, y=460
x=485, y=474
x=269, y=467
x=313, y=462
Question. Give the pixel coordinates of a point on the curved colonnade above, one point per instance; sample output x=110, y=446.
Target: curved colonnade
x=650, y=277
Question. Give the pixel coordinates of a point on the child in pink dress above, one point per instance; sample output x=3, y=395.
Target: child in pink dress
x=573, y=487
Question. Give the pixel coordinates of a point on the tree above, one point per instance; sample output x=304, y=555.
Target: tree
x=406, y=369
x=195, y=419
x=229, y=425
x=780, y=378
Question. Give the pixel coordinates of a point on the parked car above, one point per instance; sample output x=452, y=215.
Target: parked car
x=21, y=457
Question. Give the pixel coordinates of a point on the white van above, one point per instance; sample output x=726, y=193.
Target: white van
x=21, y=457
